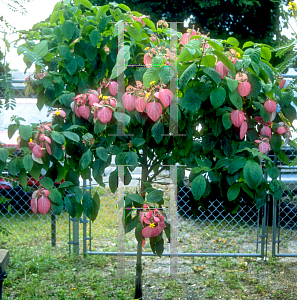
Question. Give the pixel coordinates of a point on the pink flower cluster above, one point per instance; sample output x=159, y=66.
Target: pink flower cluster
x=152, y=222
x=101, y=106
x=153, y=109
x=40, y=201
x=41, y=142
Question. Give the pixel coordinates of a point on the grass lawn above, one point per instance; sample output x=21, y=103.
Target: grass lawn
x=39, y=271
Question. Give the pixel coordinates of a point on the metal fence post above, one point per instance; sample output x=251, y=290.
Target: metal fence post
x=53, y=229
x=84, y=221
x=75, y=236
x=263, y=235
x=273, y=227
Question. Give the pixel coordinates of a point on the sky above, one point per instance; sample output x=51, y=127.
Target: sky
x=38, y=10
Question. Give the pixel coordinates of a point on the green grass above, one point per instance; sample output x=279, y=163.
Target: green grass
x=39, y=271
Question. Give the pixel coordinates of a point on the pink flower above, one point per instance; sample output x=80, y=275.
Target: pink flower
x=270, y=105
x=281, y=130
x=40, y=201
x=185, y=38
x=263, y=145
x=37, y=151
x=113, y=88
x=222, y=69
x=244, y=88
x=154, y=222
x=147, y=61
x=266, y=131
x=237, y=117
x=93, y=98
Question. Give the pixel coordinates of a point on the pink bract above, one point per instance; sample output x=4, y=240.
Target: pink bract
x=154, y=110
x=282, y=83
x=185, y=38
x=243, y=129
x=241, y=77
x=84, y=111
x=140, y=104
x=237, y=117
x=129, y=101
x=263, y=147
x=165, y=96
x=281, y=130
x=270, y=106
x=48, y=149
x=147, y=61
x=244, y=88
x=113, y=102
x=222, y=69
x=93, y=98
x=33, y=204
x=104, y=115
x=43, y=205
x=266, y=131
x=37, y=151
x=46, y=193
x=113, y=88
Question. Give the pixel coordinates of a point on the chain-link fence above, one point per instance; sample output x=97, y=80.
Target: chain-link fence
x=16, y=216
x=213, y=232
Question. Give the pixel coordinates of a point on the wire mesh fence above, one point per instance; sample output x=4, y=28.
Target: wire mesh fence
x=212, y=232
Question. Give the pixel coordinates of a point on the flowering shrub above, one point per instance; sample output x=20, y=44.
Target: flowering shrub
x=231, y=110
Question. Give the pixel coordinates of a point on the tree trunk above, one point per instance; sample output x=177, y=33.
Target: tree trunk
x=138, y=279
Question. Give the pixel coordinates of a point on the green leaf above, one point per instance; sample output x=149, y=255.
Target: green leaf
x=126, y=8
x=57, y=209
x=12, y=128
x=22, y=177
x=25, y=132
x=232, y=84
x=289, y=112
x=208, y=61
x=164, y=74
x=71, y=66
x=113, y=181
x=236, y=164
x=276, y=142
x=118, y=118
x=158, y=131
x=90, y=207
x=47, y=81
x=90, y=52
x=266, y=53
x=77, y=193
x=236, y=99
x=14, y=167
x=187, y=75
x=233, y=192
x=103, y=23
x=41, y=49
x=287, y=97
x=226, y=120
x=67, y=99
x=191, y=101
x=264, y=114
x=252, y=173
x=71, y=136
x=131, y=224
x=47, y=183
x=208, y=142
x=134, y=33
x=28, y=162
x=95, y=37
x=68, y=29
x=131, y=160
x=86, y=159
x=217, y=97
x=282, y=156
x=213, y=74
x=55, y=196
x=86, y=3
x=65, y=52
x=99, y=127
x=137, y=142
x=102, y=10
x=102, y=153
x=136, y=198
x=255, y=85
x=273, y=173
x=150, y=75
x=58, y=137
x=70, y=206
x=154, y=196
x=247, y=44
x=198, y=187
x=159, y=247
x=233, y=41
x=4, y=153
